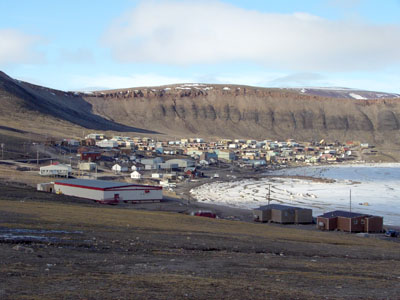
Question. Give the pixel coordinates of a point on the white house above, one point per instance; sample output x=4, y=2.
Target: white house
x=107, y=144
x=87, y=166
x=55, y=170
x=136, y=175
x=118, y=168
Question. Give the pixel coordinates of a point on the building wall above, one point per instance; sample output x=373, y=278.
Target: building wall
x=79, y=192
x=374, y=224
x=303, y=216
x=45, y=187
x=282, y=216
x=135, y=195
x=354, y=224
x=263, y=215
x=328, y=223
x=343, y=224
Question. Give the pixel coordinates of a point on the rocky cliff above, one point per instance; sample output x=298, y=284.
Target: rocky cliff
x=242, y=111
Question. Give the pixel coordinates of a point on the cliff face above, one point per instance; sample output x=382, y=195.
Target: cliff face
x=238, y=111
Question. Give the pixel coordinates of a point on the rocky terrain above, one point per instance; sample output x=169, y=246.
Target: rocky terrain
x=209, y=111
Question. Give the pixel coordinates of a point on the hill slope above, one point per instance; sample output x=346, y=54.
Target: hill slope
x=242, y=111
x=21, y=100
x=206, y=111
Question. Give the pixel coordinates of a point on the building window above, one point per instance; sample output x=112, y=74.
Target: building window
x=362, y=221
x=355, y=222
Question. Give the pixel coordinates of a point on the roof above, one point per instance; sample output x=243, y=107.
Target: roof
x=56, y=167
x=99, y=184
x=278, y=207
x=341, y=213
x=191, y=169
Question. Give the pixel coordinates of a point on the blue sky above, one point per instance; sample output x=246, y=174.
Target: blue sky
x=80, y=45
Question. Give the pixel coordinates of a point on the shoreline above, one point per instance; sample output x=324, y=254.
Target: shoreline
x=185, y=190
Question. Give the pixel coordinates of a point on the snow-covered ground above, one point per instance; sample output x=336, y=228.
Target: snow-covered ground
x=375, y=189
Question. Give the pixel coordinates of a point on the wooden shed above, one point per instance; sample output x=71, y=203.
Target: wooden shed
x=350, y=222
x=283, y=214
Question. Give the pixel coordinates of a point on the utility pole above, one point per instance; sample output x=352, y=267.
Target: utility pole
x=269, y=193
x=350, y=200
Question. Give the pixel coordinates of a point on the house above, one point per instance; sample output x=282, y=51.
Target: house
x=45, y=187
x=70, y=142
x=107, y=144
x=108, y=191
x=136, y=175
x=283, y=214
x=89, y=166
x=89, y=142
x=90, y=155
x=117, y=168
x=180, y=163
x=349, y=222
x=208, y=155
x=190, y=171
x=151, y=163
x=95, y=136
x=56, y=170
x=226, y=155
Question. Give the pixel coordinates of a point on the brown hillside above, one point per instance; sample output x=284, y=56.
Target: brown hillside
x=242, y=111
x=208, y=111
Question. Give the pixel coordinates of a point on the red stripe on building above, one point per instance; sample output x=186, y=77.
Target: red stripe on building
x=143, y=187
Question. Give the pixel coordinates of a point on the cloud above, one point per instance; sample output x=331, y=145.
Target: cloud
x=19, y=47
x=208, y=32
x=105, y=81
x=78, y=56
x=298, y=79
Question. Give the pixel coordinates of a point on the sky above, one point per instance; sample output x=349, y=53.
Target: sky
x=88, y=45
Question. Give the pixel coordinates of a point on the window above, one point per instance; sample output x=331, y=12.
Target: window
x=355, y=222
x=362, y=221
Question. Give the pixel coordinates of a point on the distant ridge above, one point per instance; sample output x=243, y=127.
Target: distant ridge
x=214, y=111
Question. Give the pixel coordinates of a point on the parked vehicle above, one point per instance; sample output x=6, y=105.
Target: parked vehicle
x=391, y=233
x=204, y=213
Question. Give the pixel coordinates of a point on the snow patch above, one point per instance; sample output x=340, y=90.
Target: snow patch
x=378, y=185
x=357, y=96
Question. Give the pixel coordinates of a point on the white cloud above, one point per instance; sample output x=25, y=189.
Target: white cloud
x=105, y=81
x=191, y=32
x=18, y=47
x=298, y=79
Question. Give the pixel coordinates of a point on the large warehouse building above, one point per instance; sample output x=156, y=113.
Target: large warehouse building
x=104, y=191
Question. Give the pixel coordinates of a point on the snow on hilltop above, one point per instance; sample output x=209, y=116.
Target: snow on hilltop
x=347, y=93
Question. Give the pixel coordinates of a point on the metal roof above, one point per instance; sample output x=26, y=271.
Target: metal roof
x=100, y=184
x=278, y=207
x=341, y=213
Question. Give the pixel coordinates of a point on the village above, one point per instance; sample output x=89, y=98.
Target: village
x=178, y=160
x=113, y=170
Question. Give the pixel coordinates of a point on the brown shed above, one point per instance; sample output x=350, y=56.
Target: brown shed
x=283, y=214
x=350, y=222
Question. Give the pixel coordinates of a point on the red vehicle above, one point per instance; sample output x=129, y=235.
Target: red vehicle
x=204, y=213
